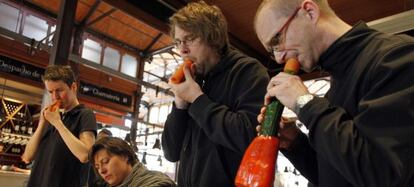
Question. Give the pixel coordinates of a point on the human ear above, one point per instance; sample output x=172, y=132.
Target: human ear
x=74, y=86
x=312, y=10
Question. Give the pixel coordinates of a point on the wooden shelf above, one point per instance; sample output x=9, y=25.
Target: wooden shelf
x=15, y=122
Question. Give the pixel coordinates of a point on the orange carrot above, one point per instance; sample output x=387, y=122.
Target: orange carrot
x=178, y=75
x=292, y=66
x=55, y=106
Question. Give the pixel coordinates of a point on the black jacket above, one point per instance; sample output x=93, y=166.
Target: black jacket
x=362, y=133
x=209, y=138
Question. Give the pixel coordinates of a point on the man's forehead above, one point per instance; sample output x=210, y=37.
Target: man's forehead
x=267, y=24
x=180, y=33
x=54, y=84
x=269, y=15
x=54, y=81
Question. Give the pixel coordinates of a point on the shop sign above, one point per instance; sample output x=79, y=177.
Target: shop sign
x=15, y=67
x=104, y=93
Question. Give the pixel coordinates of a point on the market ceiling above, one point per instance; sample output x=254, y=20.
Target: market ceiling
x=141, y=25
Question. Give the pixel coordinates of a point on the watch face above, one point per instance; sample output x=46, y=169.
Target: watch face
x=302, y=101
x=305, y=99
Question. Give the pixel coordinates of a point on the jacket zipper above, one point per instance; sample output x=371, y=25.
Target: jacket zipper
x=190, y=164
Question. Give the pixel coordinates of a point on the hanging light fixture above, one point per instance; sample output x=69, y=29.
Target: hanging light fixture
x=144, y=158
x=295, y=172
x=157, y=144
x=146, y=136
x=159, y=160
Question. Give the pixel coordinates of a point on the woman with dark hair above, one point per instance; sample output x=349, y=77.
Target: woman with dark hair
x=118, y=165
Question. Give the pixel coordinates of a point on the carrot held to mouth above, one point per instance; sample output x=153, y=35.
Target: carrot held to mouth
x=178, y=75
x=55, y=106
x=257, y=167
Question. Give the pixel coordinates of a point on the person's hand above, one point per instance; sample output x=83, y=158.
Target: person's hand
x=286, y=88
x=180, y=103
x=288, y=131
x=185, y=92
x=42, y=120
x=52, y=117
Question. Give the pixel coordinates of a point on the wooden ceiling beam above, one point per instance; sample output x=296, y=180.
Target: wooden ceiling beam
x=63, y=35
x=91, y=31
x=90, y=12
x=115, y=41
x=153, y=42
x=35, y=7
x=109, y=12
x=139, y=14
x=162, y=50
x=136, y=12
x=177, y=4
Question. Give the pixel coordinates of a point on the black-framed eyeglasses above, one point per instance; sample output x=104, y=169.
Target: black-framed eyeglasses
x=275, y=41
x=188, y=40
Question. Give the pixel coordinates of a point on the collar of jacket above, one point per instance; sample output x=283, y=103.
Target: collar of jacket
x=74, y=110
x=228, y=59
x=345, y=49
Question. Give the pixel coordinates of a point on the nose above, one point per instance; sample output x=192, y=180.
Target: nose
x=279, y=56
x=282, y=55
x=102, y=171
x=184, y=51
x=54, y=95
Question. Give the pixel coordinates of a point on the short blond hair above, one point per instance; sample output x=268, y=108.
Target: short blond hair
x=204, y=21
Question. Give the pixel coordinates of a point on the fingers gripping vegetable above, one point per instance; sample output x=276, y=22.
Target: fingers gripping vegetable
x=55, y=106
x=178, y=75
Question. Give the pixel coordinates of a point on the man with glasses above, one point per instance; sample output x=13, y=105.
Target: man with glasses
x=213, y=119
x=361, y=133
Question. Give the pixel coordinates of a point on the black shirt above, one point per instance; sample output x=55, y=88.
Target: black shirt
x=54, y=164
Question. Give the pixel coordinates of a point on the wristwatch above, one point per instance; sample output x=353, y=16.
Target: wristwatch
x=302, y=101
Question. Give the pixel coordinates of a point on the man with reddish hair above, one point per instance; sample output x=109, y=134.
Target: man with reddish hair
x=213, y=119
